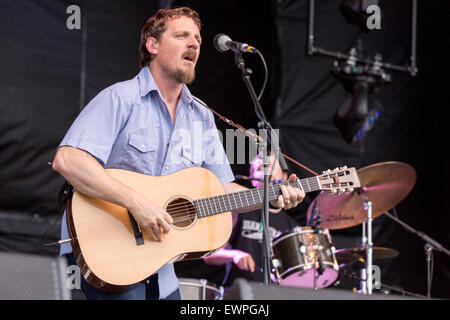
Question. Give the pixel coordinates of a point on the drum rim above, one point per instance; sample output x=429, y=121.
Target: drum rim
x=286, y=235
x=199, y=285
x=290, y=271
x=293, y=232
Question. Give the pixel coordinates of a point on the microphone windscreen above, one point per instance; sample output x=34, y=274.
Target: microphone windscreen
x=220, y=42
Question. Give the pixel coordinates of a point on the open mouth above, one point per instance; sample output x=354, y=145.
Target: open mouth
x=189, y=58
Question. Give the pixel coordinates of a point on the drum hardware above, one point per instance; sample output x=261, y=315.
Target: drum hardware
x=318, y=269
x=199, y=289
x=385, y=288
x=316, y=226
x=430, y=245
x=366, y=273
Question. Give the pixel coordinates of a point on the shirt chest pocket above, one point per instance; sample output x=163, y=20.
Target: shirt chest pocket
x=191, y=157
x=142, y=152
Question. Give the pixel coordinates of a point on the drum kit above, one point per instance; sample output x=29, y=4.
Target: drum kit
x=305, y=257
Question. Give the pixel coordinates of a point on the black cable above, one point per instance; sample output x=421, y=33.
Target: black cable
x=260, y=113
x=48, y=230
x=63, y=194
x=266, y=73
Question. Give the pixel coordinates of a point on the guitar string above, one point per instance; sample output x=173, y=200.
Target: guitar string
x=217, y=202
x=181, y=212
x=175, y=208
x=214, y=198
x=200, y=209
x=189, y=213
x=184, y=213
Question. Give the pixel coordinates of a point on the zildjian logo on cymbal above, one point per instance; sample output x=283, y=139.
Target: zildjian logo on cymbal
x=339, y=217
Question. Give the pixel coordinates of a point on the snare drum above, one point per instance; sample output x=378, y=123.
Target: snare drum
x=305, y=259
x=199, y=289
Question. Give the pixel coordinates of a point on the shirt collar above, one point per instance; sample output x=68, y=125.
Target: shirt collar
x=147, y=84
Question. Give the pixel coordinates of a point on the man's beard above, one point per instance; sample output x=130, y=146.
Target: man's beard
x=182, y=76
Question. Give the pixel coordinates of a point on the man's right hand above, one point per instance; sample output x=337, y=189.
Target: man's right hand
x=150, y=216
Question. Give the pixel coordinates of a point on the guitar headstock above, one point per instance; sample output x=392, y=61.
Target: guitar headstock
x=339, y=180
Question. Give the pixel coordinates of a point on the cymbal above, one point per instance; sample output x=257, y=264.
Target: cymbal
x=349, y=255
x=385, y=184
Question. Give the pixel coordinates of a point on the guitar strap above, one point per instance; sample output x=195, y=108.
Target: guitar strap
x=251, y=134
x=64, y=193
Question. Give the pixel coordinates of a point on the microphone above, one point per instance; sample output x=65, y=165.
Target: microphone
x=222, y=43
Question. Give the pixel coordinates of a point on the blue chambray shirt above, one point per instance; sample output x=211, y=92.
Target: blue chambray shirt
x=128, y=126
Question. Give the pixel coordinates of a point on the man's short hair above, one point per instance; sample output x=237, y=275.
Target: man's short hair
x=156, y=25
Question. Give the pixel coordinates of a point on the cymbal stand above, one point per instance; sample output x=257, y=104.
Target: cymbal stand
x=363, y=282
x=430, y=245
x=368, y=207
x=366, y=273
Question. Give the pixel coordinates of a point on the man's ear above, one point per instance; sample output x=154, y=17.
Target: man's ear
x=151, y=45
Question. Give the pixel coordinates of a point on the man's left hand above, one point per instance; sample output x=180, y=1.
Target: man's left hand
x=290, y=197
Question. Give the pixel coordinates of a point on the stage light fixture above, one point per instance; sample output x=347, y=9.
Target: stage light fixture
x=361, y=110
x=360, y=74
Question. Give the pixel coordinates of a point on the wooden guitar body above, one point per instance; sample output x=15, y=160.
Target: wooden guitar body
x=104, y=241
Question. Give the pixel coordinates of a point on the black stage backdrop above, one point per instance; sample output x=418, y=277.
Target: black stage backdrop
x=48, y=73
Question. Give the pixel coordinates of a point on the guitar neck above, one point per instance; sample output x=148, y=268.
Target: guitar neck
x=249, y=198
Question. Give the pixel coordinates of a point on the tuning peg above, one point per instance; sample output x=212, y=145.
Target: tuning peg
x=342, y=190
x=333, y=191
x=350, y=190
x=344, y=167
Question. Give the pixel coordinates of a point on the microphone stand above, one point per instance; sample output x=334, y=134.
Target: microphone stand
x=240, y=63
x=430, y=245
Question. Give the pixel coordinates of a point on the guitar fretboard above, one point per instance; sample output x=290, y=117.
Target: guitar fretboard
x=248, y=198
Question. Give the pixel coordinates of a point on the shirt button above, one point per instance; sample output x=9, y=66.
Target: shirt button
x=143, y=146
x=166, y=168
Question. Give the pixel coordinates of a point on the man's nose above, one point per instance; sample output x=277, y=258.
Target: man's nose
x=193, y=43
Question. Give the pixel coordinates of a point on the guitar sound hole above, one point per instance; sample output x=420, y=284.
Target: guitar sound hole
x=182, y=211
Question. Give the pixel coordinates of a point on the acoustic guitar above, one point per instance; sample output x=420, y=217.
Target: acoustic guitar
x=114, y=253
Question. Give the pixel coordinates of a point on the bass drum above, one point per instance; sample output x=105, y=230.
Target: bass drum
x=199, y=289
x=305, y=259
